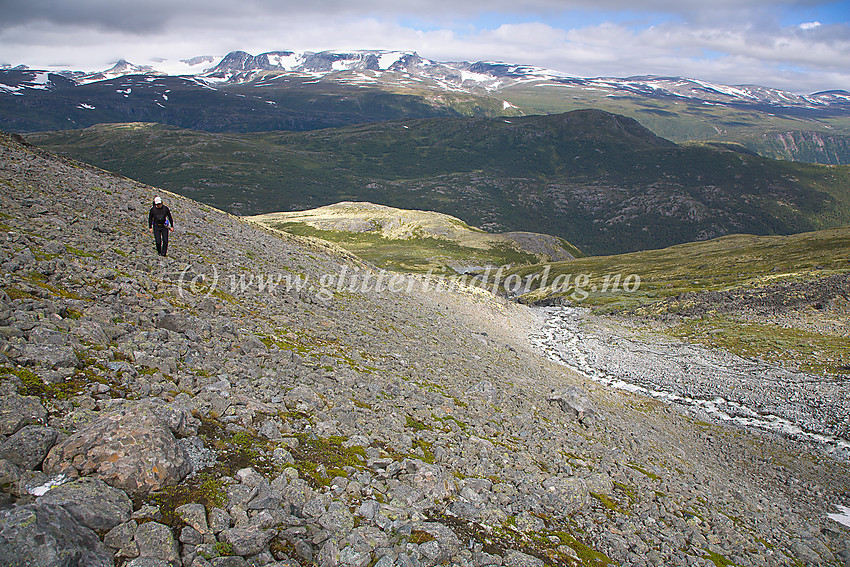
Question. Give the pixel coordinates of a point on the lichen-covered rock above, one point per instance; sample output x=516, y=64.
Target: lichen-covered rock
x=48, y=536
x=563, y=496
x=17, y=411
x=337, y=518
x=10, y=474
x=445, y=544
x=48, y=355
x=121, y=538
x=132, y=449
x=302, y=398
x=155, y=540
x=515, y=558
x=195, y=515
x=92, y=502
x=575, y=402
x=148, y=562
x=246, y=541
x=431, y=481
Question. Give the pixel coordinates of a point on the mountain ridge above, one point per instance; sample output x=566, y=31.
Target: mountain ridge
x=601, y=182
x=241, y=66
x=293, y=90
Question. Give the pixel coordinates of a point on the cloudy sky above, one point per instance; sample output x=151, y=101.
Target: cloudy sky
x=797, y=45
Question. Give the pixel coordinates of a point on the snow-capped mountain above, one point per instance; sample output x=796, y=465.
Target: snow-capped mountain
x=303, y=90
x=408, y=68
x=369, y=66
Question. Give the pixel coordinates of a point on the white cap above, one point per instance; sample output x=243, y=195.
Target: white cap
x=157, y=201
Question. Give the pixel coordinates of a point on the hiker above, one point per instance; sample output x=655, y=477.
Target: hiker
x=160, y=223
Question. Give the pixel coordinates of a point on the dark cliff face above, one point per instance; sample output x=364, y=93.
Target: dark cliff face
x=803, y=146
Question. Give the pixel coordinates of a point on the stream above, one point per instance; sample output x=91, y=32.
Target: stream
x=709, y=382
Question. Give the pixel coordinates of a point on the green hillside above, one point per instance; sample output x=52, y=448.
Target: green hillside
x=784, y=299
x=820, y=136
x=734, y=261
x=417, y=241
x=600, y=181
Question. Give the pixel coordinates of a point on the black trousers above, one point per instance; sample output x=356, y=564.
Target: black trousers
x=160, y=236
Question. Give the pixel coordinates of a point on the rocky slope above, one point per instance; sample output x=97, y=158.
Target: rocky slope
x=186, y=411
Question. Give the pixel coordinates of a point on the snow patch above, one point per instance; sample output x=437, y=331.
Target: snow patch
x=85, y=106
x=475, y=77
x=40, y=79
x=11, y=90
x=843, y=517
x=53, y=482
x=387, y=60
x=287, y=62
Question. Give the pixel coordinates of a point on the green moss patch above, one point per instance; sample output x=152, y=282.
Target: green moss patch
x=643, y=471
x=321, y=459
x=238, y=450
x=555, y=546
x=206, y=488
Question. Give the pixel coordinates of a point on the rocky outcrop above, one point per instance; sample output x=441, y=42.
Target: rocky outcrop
x=18, y=411
x=48, y=536
x=28, y=447
x=92, y=502
x=133, y=449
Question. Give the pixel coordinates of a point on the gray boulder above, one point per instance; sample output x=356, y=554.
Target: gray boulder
x=92, y=502
x=17, y=411
x=29, y=446
x=195, y=515
x=575, y=403
x=177, y=322
x=302, y=398
x=48, y=355
x=156, y=540
x=445, y=544
x=148, y=562
x=515, y=558
x=48, y=536
x=228, y=561
x=563, y=496
x=246, y=541
x=121, y=538
x=337, y=519
x=10, y=475
x=132, y=449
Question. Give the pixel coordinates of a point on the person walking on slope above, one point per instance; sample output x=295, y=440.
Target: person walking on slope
x=160, y=224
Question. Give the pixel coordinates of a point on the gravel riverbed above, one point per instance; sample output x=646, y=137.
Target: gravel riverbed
x=714, y=384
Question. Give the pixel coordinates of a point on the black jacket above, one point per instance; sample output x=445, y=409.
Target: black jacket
x=156, y=218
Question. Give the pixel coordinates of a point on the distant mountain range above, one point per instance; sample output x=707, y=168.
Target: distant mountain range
x=400, y=67
x=290, y=90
